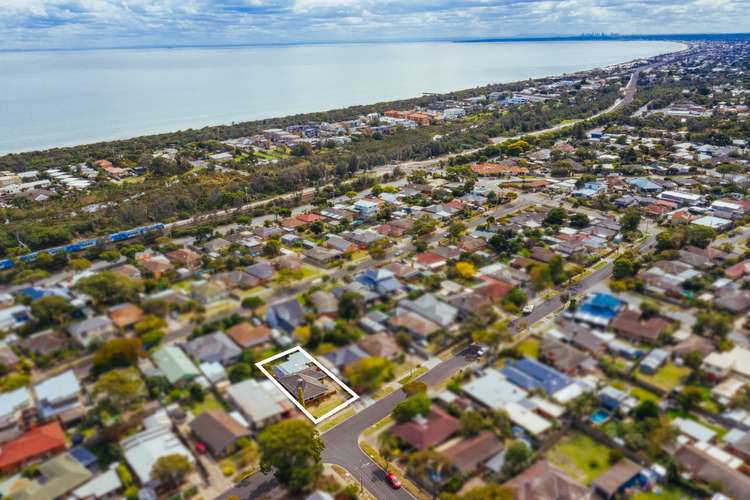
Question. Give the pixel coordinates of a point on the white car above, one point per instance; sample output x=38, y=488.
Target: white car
x=528, y=309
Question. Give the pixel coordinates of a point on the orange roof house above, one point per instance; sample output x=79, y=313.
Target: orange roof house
x=35, y=444
x=125, y=315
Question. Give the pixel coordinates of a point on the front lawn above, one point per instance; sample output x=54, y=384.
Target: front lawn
x=581, y=457
x=529, y=348
x=664, y=493
x=668, y=377
x=209, y=403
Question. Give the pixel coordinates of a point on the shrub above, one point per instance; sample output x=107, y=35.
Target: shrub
x=131, y=493
x=228, y=470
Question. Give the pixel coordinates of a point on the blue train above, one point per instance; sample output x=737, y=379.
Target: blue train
x=83, y=245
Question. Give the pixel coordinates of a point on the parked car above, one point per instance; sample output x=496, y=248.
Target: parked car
x=393, y=481
x=528, y=309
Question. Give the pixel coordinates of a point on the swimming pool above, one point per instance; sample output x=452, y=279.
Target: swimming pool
x=600, y=416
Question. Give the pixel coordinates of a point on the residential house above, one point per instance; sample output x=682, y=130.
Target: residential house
x=617, y=479
x=544, y=481
x=14, y=317
x=340, y=244
x=17, y=413
x=345, y=356
x=187, y=258
x=260, y=402
x=219, y=431
x=563, y=357
x=432, y=309
x=628, y=324
x=467, y=455
x=208, y=292
x=286, y=315
x=46, y=342
x=699, y=461
x=381, y=281
x=175, y=365
x=381, y=345
x=718, y=365
x=324, y=303
x=104, y=486
x=308, y=383
x=215, y=347
x=142, y=450
x=423, y=432
x=236, y=279
x=59, y=397
x=55, y=478
x=248, y=336
x=155, y=263
x=262, y=271
x=33, y=445
x=125, y=315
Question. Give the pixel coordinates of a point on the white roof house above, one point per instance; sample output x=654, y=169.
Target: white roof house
x=721, y=364
x=716, y=223
x=260, y=401
x=530, y=421
x=694, y=430
x=58, y=394
x=106, y=483
x=493, y=390
x=142, y=450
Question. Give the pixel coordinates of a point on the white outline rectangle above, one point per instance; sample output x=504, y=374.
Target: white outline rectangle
x=291, y=398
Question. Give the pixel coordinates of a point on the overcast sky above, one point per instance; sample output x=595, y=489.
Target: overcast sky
x=106, y=23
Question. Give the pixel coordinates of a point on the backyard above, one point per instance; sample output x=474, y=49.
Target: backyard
x=668, y=377
x=581, y=457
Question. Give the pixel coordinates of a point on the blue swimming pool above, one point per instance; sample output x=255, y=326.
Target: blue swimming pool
x=600, y=416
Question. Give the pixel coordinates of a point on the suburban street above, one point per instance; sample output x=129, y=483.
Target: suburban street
x=341, y=441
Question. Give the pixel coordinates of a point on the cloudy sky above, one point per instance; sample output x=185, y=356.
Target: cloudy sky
x=107, y=23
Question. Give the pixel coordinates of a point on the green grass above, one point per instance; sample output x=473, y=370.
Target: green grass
x=336, y=419
x=668, y=493
x=643, y=394
x=581, y=457
x=378, y=425
x=209, y=403
x=417, y=372
x=529, y=348
x=669, y=377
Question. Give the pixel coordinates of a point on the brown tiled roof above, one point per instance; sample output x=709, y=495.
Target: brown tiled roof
x=217, y=429
x=125, y=315
x=702, y=466
x=247, y=335
x=544, y=481
x=620, y=473
x=628, y=322
x=380, y=345
x=433, y=429
x=495, y=289
x=466, y=455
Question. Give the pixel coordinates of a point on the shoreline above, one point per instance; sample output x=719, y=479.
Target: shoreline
x=219, y=123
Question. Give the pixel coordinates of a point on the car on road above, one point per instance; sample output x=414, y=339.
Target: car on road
x=528, y=309
x=393, y=481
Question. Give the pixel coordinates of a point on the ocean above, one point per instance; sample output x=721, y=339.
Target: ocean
x=64, y=98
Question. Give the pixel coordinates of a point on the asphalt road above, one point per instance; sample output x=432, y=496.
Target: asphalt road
x=342, y=446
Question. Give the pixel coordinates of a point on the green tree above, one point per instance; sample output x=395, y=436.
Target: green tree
x=117, y=353
x=368, y=374
x=623, y=267
x=351, y=305
x=51, y=310
x=291, y=449
x=630, y=220
x=252, y=303
x=272, y=248
x=171, y=469
x=122, y=387
x=555, y=217
x=418, y=404
x=516, y=458
x=473, y=422
x=579, y=220
x=540, y=276
x=110, y=288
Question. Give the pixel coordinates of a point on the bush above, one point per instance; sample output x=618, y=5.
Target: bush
x=131, y=493
x=414, y=387
x=614, y=456
x=124, y=474
x=228, y=470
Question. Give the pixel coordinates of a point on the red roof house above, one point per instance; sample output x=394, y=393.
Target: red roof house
x=37, y=443
x=423, y=432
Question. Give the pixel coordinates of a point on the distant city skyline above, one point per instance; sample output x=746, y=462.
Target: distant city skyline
x=38, y=24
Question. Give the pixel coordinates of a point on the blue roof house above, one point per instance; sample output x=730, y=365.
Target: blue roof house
x=529, y=374
x=286, y=316
x=599, y=309
x=381, y=281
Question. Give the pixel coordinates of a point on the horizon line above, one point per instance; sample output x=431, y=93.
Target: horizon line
x=485, y=39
